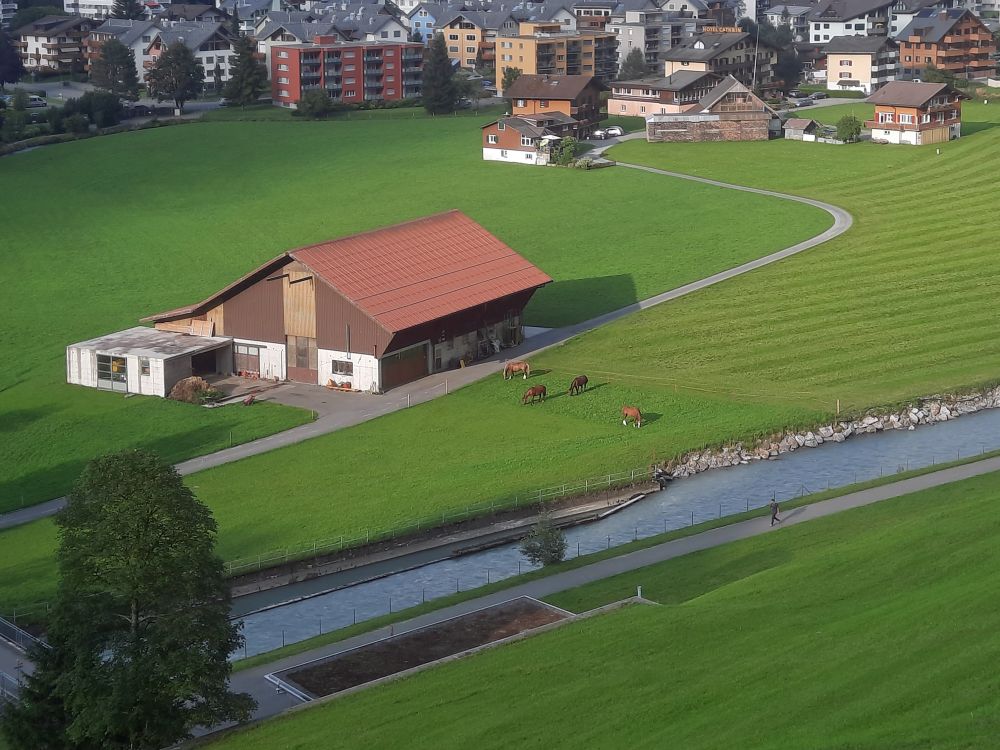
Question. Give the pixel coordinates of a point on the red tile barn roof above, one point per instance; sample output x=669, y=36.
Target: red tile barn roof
x=421, y=270
x=407, y=274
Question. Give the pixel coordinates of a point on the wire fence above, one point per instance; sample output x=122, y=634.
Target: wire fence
x=318, y=547
x=10, y=687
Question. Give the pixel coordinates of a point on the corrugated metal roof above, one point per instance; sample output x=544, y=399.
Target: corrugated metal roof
x=421, y=270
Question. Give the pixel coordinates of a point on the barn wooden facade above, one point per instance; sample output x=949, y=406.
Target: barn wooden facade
x=374, y=310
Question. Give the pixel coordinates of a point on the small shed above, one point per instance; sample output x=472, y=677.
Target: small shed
x=800, y=129
x=145, y=360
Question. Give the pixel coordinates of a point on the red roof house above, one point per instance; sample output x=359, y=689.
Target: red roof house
x=373, y=310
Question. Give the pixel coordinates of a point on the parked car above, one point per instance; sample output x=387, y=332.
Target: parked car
x=820, y=95
x=612, y=131
x=796, y=94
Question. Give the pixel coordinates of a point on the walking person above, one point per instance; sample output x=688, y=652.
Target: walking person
x=774, y=511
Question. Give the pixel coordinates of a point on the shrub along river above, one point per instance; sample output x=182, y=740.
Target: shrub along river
x=702, y=497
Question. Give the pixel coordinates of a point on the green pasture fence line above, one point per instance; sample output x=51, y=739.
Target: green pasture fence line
x=316, y=547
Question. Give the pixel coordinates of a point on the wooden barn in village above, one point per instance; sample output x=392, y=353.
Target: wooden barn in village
x=367, y=312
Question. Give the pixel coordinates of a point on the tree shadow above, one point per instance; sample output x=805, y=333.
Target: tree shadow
x=12, y=421
x=972, y=127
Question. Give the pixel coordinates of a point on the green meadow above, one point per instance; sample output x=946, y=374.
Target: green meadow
x=100, y=233
x=873, y=629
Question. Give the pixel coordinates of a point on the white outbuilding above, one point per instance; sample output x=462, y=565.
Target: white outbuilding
x=146, y=360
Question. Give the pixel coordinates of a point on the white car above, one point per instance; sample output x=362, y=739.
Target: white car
x=613, y=131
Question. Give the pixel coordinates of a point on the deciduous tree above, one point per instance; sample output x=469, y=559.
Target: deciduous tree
x=114, y=70
x=848, y=128
x=439, y=92
x=509, y=76
x=546, y=544
x=247, y=76
x=788, y=68
x=140, y=630
x=315, y=105
x=30, y=14
x=176, y=76
x=634, y=66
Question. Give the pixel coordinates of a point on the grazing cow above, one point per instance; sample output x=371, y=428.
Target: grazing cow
x=513, y=368
x=578, y=385
x=633, y=413
x=536, y=392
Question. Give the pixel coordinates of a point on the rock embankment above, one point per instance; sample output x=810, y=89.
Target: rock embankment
x=928, y=411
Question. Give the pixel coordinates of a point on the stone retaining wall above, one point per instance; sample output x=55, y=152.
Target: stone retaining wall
x=928, y=411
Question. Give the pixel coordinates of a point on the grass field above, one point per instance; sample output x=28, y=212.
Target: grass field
x=118, y=243
x=875, y=628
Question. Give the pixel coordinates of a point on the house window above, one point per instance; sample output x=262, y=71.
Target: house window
x=520, y=102
x=283, y=92
x=470, y=37
x=453, y=37
x=543, y=103
x=453, y=49
x=525, y=140
x=283, y=68
x=350, y=81
x=885, y=117
x=527, y=157
x=905, y=119
x=348, y=68
x=282, y=80
x=470, y=50
x=390, y=92
x=501, y=125
x=301, y=351
x=395, y=35
x=350, y=93
x=144, y=365
x=623, y=108
x=846, y=63
x=503, y=153
x=470, y=61
x=342, y=367
x=925, y=117
x=845, y=75
x=384, y=34
x=282, y=53
x=491, y=139
x=210, y=60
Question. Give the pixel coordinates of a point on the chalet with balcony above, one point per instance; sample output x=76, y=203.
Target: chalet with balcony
x=211, y=44
x=833, y=18
x=659, y=96
x=135, y=35
x=54, y=43
x=860, y=63
x=577, y=97
x=729, y=112
x=528, y=139
x=725, y=52
x=916, y=113
x=954, y=41
x=351, y=72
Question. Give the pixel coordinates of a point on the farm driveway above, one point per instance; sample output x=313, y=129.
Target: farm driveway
x=354, y=409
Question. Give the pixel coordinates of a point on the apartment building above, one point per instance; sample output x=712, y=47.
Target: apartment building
x=915, y=113
x=656, y=95
x=8, y=9
x=953, y=40
x=725, y=52
x=548, y=49
x=860, y=63
x=55, y=42
x=654, y=31
x=350, y=72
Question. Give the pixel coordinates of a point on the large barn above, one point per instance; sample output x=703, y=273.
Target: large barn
x=368, y=312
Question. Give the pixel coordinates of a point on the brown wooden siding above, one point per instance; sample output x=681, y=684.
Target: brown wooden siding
x=334, y=314
x=461, y=322
x=299, y=301
x=257, y=312
x=216, y=316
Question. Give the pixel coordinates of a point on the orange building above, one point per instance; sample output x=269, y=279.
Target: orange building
x=547, y=48
x=953, y=40
x=916, y=113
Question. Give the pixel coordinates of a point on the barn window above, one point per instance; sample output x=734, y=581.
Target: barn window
x=343, y=367
x=144, y=365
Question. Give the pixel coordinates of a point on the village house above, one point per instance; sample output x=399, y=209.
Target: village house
x=54, y=43
x=729, y=112
x=660, y=96
x=135, y=35
x=860, y=63
x=831, y=18
x=726, y=52
x=577, y=97
x=916, y=113
x=366, y=312
x=350, y=72
x=954, y=41
x=523, y=140
x=194, y=12
x=210, y=43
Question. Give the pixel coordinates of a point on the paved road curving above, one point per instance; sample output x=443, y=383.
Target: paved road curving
x=353, y=409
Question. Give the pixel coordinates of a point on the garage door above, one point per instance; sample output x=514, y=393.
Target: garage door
x=246, y=360
x=403, y=367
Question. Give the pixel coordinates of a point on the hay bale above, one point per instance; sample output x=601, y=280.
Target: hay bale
x=190, y=390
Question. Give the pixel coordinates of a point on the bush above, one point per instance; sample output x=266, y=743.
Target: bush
x=545, y=545
x=315, y=105
x=14, y=126
x=848, y=129
x=76, y=123
x=101, y=107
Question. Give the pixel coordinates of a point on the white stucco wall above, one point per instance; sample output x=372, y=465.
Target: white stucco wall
x=515, y=157
x=365, y=377
x=272, y=358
